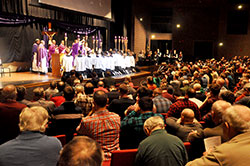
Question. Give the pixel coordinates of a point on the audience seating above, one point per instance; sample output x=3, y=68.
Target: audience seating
x=136, y=87
x=123, y=157
x=106, y=163
x=62, y=139
x=187, y=146
x=202, y=123
x=164, y=114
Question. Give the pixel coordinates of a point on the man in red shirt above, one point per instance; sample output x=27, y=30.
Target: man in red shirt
x=177, y=107
x=103, y=126
x=9, y=114
x=100, y=86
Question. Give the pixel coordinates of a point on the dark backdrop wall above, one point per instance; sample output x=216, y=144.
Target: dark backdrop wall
x=16, y=41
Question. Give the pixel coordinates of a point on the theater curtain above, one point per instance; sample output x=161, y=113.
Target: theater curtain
x=18, y=33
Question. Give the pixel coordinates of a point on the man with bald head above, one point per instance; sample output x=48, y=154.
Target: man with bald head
x=100, y=86
x=218, y=109
x=236, y=129
x=184, y=125
x=9, y=114
x=162, y=104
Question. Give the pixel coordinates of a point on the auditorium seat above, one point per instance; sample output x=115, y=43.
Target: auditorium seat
x=123, y=157
x=106, y=163
x=187, y=146
x=117, y=85
x=62, y=139
x=164, y=114
x=202, y=123
x=136, y=87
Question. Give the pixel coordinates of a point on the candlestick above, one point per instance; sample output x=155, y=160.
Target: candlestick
x=115, y=42
x=119, y=41
x=93, y=47
x=49, y=26
x=96, y=44
x=101, y=44
x=65, y=39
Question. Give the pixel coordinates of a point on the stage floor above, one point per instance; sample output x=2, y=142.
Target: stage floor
x=23, y=78
x=29, y=79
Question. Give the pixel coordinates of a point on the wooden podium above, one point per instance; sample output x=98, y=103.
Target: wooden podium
x=56, y=65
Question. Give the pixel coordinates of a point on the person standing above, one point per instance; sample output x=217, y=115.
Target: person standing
x=80, y=63
x=75, y=48
x=35, y=55
x=67, y=62
x=61, y=47
x=42, y=58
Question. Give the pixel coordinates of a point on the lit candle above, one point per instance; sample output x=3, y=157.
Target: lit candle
x=115, y=42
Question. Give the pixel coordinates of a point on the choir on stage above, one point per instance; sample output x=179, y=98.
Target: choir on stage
x=81, y=58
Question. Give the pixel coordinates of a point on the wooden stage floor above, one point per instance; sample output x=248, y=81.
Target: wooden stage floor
x=26, y=78
x=29, y=79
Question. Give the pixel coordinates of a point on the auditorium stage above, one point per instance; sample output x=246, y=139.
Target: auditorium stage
x=30, y=79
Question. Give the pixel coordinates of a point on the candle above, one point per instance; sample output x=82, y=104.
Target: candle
x=49, y=25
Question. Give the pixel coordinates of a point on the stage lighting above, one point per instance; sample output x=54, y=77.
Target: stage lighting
x=239, y=7
x=220, y=44
x=178, y=25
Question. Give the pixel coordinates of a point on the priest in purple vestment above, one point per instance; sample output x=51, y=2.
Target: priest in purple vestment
x=62, y=47
x=42, y=58
x=52, y=49
x=75, y=48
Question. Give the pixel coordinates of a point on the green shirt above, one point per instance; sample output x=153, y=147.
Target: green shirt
x=161, y=149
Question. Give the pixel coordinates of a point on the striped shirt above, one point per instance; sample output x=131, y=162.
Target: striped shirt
x=104, y=127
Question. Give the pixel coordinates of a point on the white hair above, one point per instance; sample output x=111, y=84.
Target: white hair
x=152, y=122
x=33, y=119
x=220, y=106
x=238, y=117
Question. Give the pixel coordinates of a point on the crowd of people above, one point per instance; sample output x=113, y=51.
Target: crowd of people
x=180, y=102
x=82, y=58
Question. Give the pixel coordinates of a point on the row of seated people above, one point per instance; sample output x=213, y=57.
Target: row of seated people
x=98, y=120
x=32, y=147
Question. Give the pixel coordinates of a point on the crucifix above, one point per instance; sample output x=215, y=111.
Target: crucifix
x=49, y=33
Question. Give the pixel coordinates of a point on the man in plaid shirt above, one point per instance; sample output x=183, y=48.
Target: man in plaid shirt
x=103, y=126
x=176, y=108
x=132, y=132
x=162, y=104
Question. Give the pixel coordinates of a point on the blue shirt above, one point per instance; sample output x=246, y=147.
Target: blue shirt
x=30, y=149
